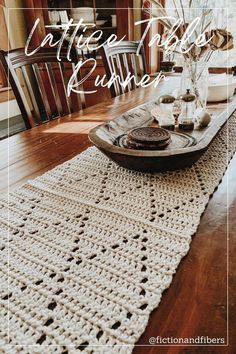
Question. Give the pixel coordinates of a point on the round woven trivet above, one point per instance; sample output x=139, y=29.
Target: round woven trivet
x=139, y=146
x=148, y=138
x=149, y=135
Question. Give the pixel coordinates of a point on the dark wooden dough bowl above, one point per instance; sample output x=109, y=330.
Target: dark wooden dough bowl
x=105, y=135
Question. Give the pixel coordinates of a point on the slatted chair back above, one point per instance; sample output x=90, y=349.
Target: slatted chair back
x=39, y=83
x=122, y=59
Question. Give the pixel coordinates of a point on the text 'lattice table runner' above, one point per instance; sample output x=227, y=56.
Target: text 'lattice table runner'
x=92, y=246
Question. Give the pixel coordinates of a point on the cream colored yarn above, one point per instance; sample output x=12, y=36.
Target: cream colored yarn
x=92, y=246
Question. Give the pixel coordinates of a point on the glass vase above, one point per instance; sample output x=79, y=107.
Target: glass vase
x=195, y=77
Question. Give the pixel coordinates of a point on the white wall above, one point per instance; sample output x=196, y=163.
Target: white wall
x=9, y=109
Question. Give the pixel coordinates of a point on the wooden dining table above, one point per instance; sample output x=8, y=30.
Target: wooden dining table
x=201, y=300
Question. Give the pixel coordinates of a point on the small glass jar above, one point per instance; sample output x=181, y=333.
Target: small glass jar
x=186, y=117
x=166, y=119
x=195, y=76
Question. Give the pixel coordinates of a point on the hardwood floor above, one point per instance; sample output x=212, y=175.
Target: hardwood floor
x=12, y=126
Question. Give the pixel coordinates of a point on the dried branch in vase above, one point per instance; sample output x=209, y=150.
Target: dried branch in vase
x=190, y=31
x=192, y=38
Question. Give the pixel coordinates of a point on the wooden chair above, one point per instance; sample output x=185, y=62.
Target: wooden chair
x=39, y=83
x=122, y=59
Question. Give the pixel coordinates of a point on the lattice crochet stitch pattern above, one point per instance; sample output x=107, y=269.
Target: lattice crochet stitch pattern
x=92, y=246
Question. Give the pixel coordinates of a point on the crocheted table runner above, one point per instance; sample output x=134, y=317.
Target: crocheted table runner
x=92, y=246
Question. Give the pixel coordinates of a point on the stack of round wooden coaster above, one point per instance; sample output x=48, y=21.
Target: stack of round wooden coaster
x=148, y=138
